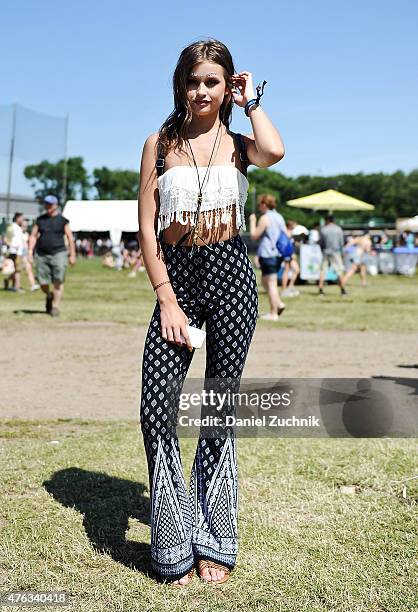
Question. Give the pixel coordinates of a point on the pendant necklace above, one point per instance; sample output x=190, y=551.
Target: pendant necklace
x=195, y=229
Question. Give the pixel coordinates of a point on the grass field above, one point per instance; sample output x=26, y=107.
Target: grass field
x=75, y=502
x=95, y=293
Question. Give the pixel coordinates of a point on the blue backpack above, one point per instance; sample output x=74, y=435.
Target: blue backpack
x=284, y=245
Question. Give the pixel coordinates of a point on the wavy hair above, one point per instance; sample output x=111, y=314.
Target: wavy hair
x=172, y=133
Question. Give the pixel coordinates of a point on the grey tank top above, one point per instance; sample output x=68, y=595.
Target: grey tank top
x=267, y=244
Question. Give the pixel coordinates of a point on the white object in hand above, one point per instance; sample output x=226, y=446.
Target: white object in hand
x=197, y=336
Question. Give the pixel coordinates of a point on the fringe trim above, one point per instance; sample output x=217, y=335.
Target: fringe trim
x=183, y=210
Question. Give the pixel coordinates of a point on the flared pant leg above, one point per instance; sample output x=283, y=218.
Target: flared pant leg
x=230, y=324
x=164, y=369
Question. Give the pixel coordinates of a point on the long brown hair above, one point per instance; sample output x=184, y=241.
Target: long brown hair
x=172, y=133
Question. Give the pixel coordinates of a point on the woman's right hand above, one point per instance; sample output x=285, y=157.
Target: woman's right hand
x=173, y=324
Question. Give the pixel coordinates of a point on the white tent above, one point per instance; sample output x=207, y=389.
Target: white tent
x=114, y=216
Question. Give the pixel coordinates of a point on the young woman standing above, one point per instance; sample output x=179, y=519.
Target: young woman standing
x=193, y=188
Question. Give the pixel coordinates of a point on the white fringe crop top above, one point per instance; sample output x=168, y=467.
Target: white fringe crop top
x=225, y=187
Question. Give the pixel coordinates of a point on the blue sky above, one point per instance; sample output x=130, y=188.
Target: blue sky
x=342, y=78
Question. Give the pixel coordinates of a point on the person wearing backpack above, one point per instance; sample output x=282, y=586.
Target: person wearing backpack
x=267, y=231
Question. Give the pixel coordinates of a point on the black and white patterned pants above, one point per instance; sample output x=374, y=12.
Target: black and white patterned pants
x=216, y=286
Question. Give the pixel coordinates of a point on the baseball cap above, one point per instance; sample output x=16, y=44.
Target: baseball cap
x=50, y=199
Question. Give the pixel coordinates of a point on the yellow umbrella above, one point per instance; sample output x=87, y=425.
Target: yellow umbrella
x=330, y=200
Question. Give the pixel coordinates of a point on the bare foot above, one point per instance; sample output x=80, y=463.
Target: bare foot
x=183, y=580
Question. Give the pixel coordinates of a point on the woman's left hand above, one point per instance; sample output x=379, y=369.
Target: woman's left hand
x=243, y=81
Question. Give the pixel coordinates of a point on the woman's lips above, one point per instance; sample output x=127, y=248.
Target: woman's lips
x=203, y=103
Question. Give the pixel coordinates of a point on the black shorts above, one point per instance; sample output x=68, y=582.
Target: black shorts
x=270, y=265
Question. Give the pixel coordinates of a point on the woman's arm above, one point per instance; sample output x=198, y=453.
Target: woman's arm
x=257, y=229
x=264, y=146
x=148, y=205
x=173, y=319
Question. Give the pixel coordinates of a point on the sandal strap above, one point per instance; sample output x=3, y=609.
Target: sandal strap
x=205, y=563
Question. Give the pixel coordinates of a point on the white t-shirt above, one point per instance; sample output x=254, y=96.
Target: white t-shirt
x=16, y=240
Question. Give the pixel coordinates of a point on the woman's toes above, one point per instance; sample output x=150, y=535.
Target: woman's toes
x=182, y=580
x=206, y=575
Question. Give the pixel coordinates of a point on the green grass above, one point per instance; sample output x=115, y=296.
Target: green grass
x=77, y=520
x=74, y=514
x=94, y=293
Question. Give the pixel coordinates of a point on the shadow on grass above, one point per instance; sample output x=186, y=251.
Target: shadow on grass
x=30, y=312
x=107, y=503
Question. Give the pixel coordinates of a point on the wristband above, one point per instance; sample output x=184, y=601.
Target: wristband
x=260, y=91
x=250, y=103
x=163, y=283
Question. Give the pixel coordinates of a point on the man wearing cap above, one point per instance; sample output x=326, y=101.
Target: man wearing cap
x=51, y=252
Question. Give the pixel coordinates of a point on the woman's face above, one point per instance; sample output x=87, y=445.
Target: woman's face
x=206, y=88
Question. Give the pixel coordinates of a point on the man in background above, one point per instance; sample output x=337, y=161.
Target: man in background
x=51, y=252
x=331, y=241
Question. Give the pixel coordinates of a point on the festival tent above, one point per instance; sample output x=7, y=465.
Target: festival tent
x=114, y=216
x=330, y=200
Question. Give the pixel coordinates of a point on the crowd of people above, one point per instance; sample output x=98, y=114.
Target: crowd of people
x=51, y=246
x=52, y=239
x=280, y=269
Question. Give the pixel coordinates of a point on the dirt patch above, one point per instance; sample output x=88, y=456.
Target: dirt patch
x=93, y=370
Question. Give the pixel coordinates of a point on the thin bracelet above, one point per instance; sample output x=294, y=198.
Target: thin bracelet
x=163, y=283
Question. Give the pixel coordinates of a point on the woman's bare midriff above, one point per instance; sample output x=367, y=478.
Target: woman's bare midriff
x=224, y=231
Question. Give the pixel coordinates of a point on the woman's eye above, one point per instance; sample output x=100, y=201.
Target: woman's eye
x=209, y=83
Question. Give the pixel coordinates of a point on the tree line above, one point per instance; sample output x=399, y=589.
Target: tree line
x=393, y=195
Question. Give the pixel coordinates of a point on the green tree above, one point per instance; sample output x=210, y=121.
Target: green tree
x=115, y=184
x=47, y=177
x=393, y=195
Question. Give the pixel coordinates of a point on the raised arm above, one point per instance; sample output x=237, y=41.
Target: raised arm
x=264, y=145
x=258, y=229
x=173, y=319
